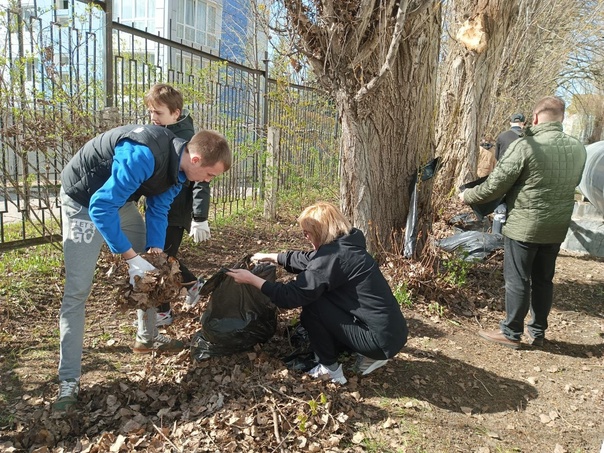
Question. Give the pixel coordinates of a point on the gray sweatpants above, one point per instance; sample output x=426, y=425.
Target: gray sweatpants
x=81, y=248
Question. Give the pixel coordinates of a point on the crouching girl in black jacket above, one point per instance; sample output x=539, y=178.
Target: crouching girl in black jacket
x=347, y=304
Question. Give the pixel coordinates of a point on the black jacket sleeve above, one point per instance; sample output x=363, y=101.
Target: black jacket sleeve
x=295, y=261
x=201, y=201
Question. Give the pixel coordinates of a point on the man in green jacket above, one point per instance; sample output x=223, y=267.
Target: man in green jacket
x=538, y=175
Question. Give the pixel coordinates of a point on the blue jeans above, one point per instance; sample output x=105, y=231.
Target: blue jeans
x=528, y=270
x=81, y=248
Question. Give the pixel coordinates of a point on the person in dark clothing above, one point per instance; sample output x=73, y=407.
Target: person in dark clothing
x=100, y=187
x=505, y=139
x=347, y=304
x=189, y=210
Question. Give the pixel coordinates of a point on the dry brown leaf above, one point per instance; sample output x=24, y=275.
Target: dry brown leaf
x=358, y=437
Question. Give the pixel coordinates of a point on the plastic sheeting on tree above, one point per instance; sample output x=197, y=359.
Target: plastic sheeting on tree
x=237, y=317
x=592, y=182
x=425, y=173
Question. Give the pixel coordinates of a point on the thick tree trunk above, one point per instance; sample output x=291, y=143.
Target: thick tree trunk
x=469, y=80
x=386, y=138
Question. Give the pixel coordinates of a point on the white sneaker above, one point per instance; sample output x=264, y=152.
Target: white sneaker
x=193, y=293
x=336, y=376
x=164, y=318
x=365, y=365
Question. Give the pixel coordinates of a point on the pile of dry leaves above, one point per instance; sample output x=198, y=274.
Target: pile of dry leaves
x=164, y=284
x=445, y=391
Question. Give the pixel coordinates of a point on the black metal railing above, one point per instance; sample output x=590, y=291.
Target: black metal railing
x=62, y=84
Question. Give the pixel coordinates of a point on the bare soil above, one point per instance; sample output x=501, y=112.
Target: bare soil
x=446, y=391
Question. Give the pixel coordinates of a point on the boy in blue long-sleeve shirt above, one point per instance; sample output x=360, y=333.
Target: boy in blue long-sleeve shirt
x=99, y=189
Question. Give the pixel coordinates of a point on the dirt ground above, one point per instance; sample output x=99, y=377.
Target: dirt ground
x=446, y=391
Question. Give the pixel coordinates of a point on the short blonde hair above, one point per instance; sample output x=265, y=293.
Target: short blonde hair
x=324, y=222
x=550, y=108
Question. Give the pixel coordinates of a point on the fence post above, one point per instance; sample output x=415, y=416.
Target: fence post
x=108, y=57
x=273, y=149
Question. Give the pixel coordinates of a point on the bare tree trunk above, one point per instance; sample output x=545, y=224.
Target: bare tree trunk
x=468, y=84
x=378, y=60
x=388, y=136
x=596, y=133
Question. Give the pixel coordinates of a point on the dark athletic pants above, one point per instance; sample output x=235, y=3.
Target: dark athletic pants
x=332, y=331
x=528, y=271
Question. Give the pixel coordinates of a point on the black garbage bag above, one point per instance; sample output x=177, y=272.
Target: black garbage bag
x=303, y=357
x=237, y=317
x=474, y=245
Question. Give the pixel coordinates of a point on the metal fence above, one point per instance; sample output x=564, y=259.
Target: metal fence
x=67, y=75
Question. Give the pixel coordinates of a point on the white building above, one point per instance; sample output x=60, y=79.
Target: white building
x=195, y=23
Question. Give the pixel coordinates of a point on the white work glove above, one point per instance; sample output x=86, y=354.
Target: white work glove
x=264, y=258
x=138, y=266
x=200, y=231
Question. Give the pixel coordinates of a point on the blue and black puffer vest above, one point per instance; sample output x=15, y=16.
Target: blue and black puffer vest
x=90, y=168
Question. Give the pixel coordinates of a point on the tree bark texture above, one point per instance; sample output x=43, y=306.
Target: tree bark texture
x=478, y=31
x=388, y=117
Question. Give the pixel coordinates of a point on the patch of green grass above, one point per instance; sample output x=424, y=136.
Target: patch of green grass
x=240, y=217
x=6, y=420
x=292, y=202
x=378, y=446
x=101, y=339
x=434, y=308
x=30, y=229
x=39, y=260
x=403, y=295
x=127, y=329
x=456, y=270
x=23, y=270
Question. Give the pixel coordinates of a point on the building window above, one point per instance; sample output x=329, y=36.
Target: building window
x=196, y=22
x=138, y=13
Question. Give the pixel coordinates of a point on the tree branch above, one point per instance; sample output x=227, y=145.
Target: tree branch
x=397, y=34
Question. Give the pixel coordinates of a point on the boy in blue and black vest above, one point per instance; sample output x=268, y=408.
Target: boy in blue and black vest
x=99, y=189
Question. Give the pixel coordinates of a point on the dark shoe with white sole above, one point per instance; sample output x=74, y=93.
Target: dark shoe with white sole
x=534, y=341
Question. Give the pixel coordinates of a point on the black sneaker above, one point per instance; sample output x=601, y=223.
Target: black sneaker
x=365, y=365
x=537, y=342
